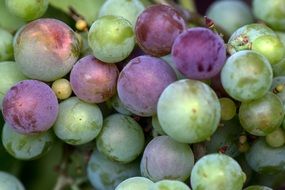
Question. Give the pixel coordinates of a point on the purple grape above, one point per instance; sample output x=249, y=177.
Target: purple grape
x=156, y=29
x=142, y=81
x=30, y=106
x=92, y=80
x=199, y=53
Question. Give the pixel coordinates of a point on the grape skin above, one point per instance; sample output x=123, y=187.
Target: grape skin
x=10, y=182
x=30, y=106
x=92, y=80
x=52, y=42
x=78, y=122
x=169, y=185
x=217, y=172
x=182, y=108
x=137, y=183
x=199, y=53
x=164, y=158
x=247, y=75
x=26, y=147
x=128, y=134
x=141, y=82
x=156, y=29
x=6, y=45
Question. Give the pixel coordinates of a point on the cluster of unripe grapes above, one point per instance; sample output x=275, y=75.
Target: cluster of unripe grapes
x=139, y=95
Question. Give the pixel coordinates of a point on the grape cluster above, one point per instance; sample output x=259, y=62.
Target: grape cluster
x=142, y=95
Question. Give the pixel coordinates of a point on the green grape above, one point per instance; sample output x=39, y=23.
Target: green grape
x=276, y=138
x=225, y=139
x=105, y=174
x=26, y=147
x=156, y=125
x=10, y=182
x=257, y=187
x=260, y=38
x=272, y=13
x=117, y=104
x=169, y=185
x=228, y=108
x=246, y=75
x=137, y=183
x=262, y=116
x=264, y=159
x=27, y=9
x=230, y=15
x=111, y=38
x=217, y=172
x=62, y=88
x=182, y=108
x=78, y=122
x=10, y=75
x=128, y=9
x=126, y=144
x=6, y=45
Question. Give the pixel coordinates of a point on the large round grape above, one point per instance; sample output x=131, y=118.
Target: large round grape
x=199, y=53
x=6, y=45
x=189, y=111
x=92, y=80
x=105, y=174
x=247, y=75
x=169, y=185
x=217, y=172
x=26, y=147
x=128, y=9
x=10, y=75
x=30, y=106
x=262, y=158
x=261, y=116
x=78, y=122
x=142, y=81
x=27, y=9
x=137, y=183
x=230, y=15
x=257, y=37
x=156, y=29
x=10, y=182
x=123, y=145
x=111, y=38
x=271, y=13
x=46, y=49
x=164, y=158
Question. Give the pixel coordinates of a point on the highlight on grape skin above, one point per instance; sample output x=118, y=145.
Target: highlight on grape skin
x=165, y=158
x=142, y=81
x=156, y=29
x=92, y=80
x=203, y=62
x=189, y=111
x=30, y=106
x=46, y=45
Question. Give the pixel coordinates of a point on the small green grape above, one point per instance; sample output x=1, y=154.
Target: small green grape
x=10, y=182
x=257, y=187
x=169, y=185
x=62, y=88
x=6, y=45
x=228, y=108
x=276, y=138
x=137, y=183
